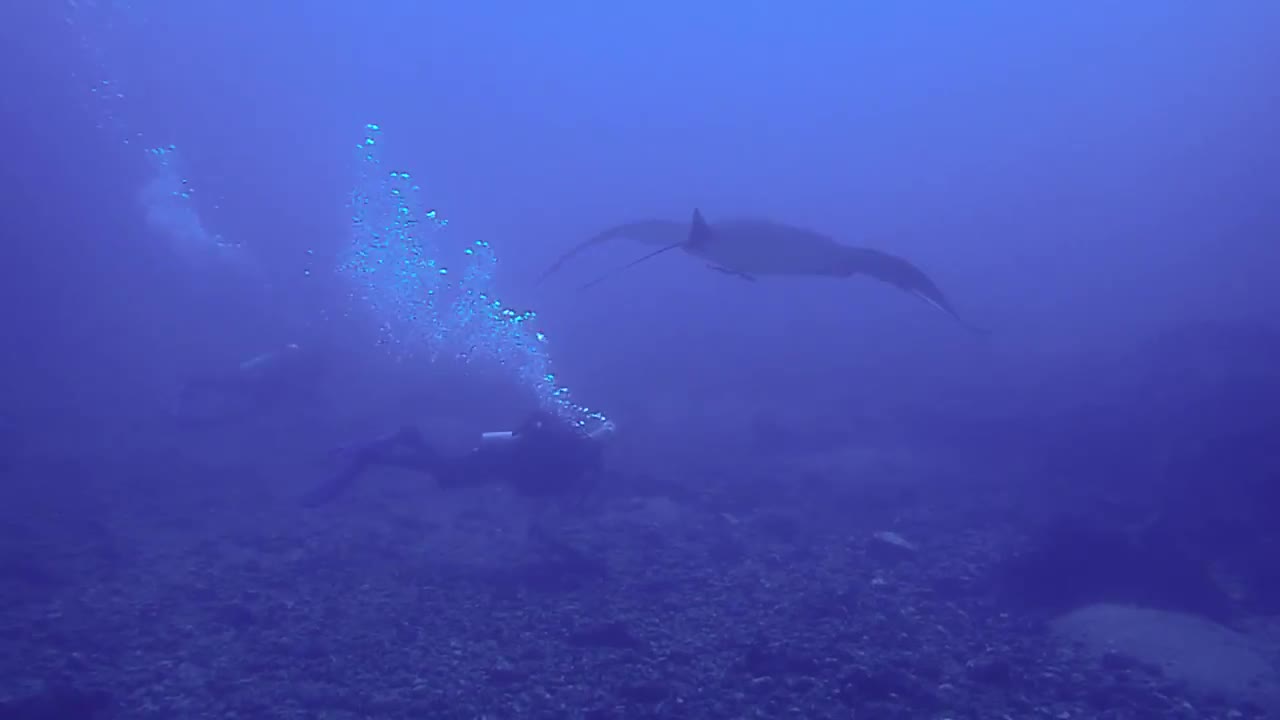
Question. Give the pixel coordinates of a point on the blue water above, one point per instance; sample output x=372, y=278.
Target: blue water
x=823, y=495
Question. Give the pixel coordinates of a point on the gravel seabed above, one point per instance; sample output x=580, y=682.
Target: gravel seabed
x=226, y=600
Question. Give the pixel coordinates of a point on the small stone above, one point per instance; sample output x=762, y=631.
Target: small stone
x=990, y=670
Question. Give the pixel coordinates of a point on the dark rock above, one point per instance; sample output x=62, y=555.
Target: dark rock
x=727, y=552
x=873, y=685
x=21, y=571
x=930, y=669
x=1107, y=695
x=602, y=713
x=565, y=558
x=606, y=635
x=680, y=658
x=1115, y=662
x=506, y=676
x=1214, y=699
x=776, y=526
x=1078, y=561
x=991, y=671
x=762, y=659
x=952, y=586
x=236, y=615
x=648, y=693
x=60, y=703
x=828, y=605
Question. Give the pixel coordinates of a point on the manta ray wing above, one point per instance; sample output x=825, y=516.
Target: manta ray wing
x=763, y=247
x=750, y=248
x=665, y=233
x=903, y=275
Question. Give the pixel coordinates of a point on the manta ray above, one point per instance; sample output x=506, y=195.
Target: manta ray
x=749, y=248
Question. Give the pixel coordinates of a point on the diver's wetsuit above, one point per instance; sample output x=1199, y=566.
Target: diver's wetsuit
x=545, y=457
x=254, y=385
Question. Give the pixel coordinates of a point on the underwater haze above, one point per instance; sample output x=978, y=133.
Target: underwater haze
x=640, y=360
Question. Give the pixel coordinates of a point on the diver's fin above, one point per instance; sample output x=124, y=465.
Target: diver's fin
x=649, y=232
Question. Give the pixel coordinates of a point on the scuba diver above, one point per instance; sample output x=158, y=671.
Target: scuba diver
x=546, y=457
x=287, y=374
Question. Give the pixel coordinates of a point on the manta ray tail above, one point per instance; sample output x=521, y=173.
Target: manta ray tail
x=633, y=263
